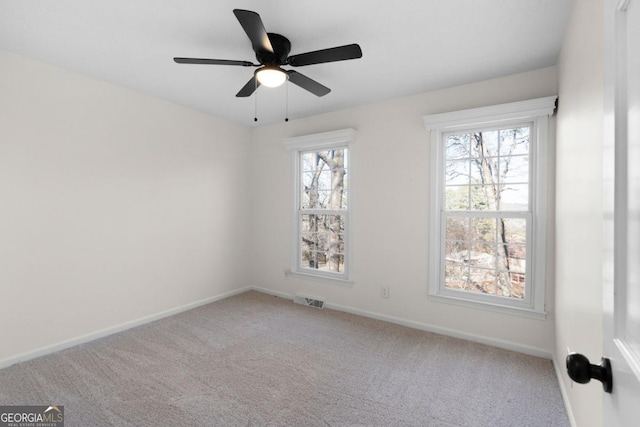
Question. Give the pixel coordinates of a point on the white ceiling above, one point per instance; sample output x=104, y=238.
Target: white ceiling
x=409, y=46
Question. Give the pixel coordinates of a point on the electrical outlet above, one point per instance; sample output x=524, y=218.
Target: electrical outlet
x=384, y=292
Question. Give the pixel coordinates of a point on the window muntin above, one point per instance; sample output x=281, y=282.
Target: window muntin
x=322, y=210
x=486, y=255
x=324, y=179
x=486, y=216
x=487, y=170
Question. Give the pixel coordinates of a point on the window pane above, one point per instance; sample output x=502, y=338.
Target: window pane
x=483, y=171
x=338, y=199
x=324, y=198
x=483, y=255
x=307, y=180
x=514, y=169
x=514, y=141
x=457, y=147
x=514, y=197
x=515, y=230
x=482, y=280
x=314, y=199
x=484, y=144
x=336, y=223
x=511, y=284
x=457, y=172
x=457, y=228
x=308, y=223
x=308, y=162
x=456, y=198
x=456, y=276
x=309, y=239
x=483, y=229
x=490, y=252
x=345, y=191
x=517, y=258
x=322, y=246
x=498, y=170
x=307, y=259
x=324, y=180
x=323, y=183
x=457, y=252
x=336, y=263
x=483, y=197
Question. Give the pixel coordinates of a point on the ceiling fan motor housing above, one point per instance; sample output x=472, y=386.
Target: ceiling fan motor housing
x=281, y=48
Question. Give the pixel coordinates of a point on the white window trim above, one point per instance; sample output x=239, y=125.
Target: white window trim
x=537, y=112
x=317, y=142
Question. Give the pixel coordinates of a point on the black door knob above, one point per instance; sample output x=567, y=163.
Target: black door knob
x=581, y=371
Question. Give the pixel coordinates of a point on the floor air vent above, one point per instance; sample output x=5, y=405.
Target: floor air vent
x=308, y=301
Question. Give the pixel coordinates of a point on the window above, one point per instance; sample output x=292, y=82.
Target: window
x=321, y=231
x=488, y=195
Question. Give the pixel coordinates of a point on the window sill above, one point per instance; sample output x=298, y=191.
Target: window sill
x=487, y=306
x=319, y=278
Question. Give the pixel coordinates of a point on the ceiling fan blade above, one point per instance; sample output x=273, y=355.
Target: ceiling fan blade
x=306, y=83
x=213, y=62
x=249, y=88
x=252, y=25
x=340, y=53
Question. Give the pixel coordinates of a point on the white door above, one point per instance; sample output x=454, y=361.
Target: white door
x=622, y=211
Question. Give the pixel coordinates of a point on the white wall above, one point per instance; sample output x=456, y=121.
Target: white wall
x=114, y=206
x=390, y=192
x=580, y=203
x=117, y=206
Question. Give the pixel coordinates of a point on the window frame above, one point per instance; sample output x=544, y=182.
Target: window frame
x=535, y=112
x=298, y=146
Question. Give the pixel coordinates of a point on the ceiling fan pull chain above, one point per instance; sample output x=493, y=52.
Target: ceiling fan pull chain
x=286, y=105
x=255, y=108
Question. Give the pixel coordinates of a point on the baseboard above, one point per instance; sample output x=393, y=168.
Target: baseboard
x=42, y=351
x=507, y=345
x=563, y=392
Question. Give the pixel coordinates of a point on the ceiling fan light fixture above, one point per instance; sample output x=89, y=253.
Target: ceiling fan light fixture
x=271, y=76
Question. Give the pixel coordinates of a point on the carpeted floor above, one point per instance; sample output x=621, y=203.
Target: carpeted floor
x=258, y=360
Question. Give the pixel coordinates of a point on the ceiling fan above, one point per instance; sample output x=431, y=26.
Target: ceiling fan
x=272, y=52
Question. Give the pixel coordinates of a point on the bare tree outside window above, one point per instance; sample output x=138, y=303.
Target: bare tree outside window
x=486, y=192
x=323, y=204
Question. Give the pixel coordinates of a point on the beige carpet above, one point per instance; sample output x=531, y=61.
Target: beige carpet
x=258, y=360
